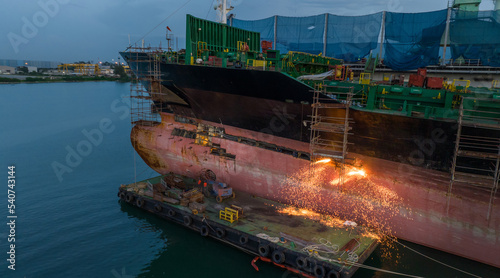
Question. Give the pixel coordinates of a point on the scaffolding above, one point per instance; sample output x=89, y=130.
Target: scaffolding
x=331, y=125
x=476, y=160
x=146, y=90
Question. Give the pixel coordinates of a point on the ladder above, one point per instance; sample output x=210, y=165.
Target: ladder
x=330, y=124
x=476, y=159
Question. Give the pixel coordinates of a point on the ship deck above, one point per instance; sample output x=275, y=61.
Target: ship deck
x=317, y=240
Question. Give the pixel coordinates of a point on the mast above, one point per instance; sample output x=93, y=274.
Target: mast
x=222, y=9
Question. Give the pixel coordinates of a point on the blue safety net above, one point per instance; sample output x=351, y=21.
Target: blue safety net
x=264, y=26
x=305, y=34
x=348, y=37
x=351, y=38
x=413, y=40
x=476, y=36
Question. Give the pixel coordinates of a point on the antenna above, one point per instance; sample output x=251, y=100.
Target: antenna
x=222, y=9
x=169, y=35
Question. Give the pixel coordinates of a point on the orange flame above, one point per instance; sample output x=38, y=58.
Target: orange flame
x=326, y=160
x=358, y=172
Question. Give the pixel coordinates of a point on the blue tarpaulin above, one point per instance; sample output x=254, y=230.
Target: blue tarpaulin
x=476, y=35
x=351, y=38
x=412, y=40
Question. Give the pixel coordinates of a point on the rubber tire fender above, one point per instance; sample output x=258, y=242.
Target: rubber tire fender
x=220, y=232
x=139, y=202
x=278, y=257
x=171, y=213
x=129, y=198
x=187, y=220
x=263, y=250
x=333, y=274
x=158, y=208
x=122, y=195
x=301, y=262
x=204, y=230
x=243, y=239
x=319, y=271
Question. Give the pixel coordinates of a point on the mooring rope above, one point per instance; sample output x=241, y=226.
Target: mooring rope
x=439, y=262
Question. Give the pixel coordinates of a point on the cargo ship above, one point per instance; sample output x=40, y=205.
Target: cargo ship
x=418, y=159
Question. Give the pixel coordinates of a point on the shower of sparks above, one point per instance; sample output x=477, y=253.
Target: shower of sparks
x=318, y=192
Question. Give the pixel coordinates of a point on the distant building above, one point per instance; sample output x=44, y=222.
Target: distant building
x=38, y=64
x=7, y=70
x=32, y=69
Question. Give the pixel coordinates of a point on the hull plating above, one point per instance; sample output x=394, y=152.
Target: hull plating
x=423, y=213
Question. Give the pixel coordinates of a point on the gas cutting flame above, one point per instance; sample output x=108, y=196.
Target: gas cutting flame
x=360, y=172
x=327, y=220
x=326, y=160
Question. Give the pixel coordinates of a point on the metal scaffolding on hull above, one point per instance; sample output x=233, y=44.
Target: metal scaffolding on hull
x=481, y=149
x=330, y=125
x=146, y=89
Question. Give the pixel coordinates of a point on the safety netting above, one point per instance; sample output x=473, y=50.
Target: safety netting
x=412, y=40
x=476, y=36
x=264, y=26
x=351, y=38
x=305, y=34
x=348, y=37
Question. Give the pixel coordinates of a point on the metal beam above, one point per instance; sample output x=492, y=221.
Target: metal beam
x=382, y=37
x=325, y=37
x=275, y=31
x=446, y=34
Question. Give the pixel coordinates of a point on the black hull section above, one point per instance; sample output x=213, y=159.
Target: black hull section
x=274, y=103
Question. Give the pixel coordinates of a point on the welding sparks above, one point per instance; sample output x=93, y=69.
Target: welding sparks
x=322, y=194
x=326, y=160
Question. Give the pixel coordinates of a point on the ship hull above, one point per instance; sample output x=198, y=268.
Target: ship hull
x=266, y=117
x=273, y=103
x=460, y=223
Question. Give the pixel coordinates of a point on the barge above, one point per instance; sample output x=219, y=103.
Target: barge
x=301, y=241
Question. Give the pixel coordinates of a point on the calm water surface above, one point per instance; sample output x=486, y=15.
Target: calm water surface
x=70, y=222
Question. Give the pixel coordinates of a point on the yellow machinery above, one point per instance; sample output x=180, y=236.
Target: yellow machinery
x=242, y=46
x=455, y=87
x=365, y=78
x=201, y=47
x=256, y=63
x=229, y=215
x=84, y=69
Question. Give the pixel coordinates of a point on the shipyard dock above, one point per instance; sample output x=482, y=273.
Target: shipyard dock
x=297, y=240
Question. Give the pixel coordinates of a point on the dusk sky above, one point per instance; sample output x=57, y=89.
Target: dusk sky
x=92, y=30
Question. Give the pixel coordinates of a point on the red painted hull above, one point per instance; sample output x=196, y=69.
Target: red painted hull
x=422, y=212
